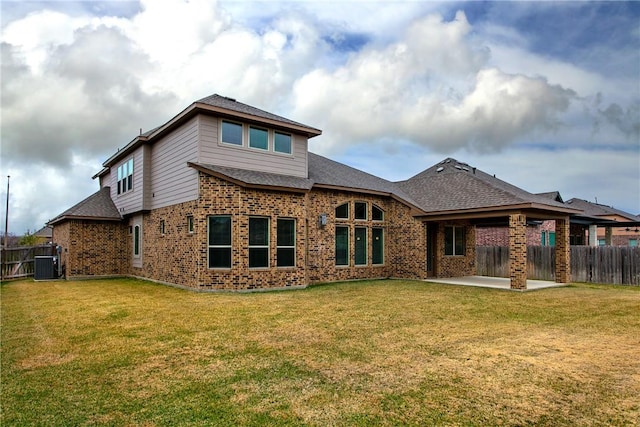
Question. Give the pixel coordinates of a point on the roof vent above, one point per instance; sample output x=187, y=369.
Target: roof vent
x=458, y=167
x=440, y=169
x=464, y=168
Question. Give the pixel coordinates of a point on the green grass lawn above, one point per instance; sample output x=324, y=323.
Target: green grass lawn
x=129, y=352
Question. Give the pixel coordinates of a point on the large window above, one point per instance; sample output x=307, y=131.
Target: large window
x=361, y=246
x=454, y=240
x=219, y=241
x=376, y=213
x=231, y=133
x=282, y=143
x=360, y=210
x=125, y=176
x=258, y=242
x=286, y=243
x=342, y=211
x=258, y=138
x=377, y=246
x=342, y=245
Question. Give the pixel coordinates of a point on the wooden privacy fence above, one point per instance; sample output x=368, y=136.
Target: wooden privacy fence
x=20, y=261
x=618, y=265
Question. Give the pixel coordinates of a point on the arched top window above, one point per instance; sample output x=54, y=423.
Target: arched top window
x=342, y=211
x=377, y=214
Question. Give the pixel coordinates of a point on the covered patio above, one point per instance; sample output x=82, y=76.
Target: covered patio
x=457, y=197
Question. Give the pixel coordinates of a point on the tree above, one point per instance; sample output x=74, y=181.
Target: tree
x=28, y=239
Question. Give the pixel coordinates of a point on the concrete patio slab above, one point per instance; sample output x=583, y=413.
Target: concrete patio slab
x=494, y=282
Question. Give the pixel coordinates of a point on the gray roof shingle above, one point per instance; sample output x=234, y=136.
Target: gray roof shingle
x=98, y=206
x=597, y=210
x=256, y=178
x=231, y=104
x=451, y=186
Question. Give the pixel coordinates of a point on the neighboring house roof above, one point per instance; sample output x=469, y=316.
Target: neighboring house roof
x=553, y=195
x=597, y=210
x=98, y=206
x=46, y=232
x=453, y=186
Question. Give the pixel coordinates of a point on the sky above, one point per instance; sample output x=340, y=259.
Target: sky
x=545, y=95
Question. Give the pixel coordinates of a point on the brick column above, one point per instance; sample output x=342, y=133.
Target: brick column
x=563, y=254
x=518, y=251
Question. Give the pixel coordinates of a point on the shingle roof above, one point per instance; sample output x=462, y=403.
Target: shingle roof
x=553, y=195
x=255, y=178
x=327, y=172
x=452, y=185
x=322, y=172
x=231, y=104
x=597, y=210
x=98, y=206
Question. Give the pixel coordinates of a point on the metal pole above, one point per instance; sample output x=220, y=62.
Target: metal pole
x=6, y=219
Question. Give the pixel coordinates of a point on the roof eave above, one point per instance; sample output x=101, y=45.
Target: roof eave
x=245, y=184
x=81, y=217
x=534, y=210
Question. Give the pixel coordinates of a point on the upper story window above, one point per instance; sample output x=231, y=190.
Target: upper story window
x=258, y=138
x=360, y=211
x=342, y=211
x=376, y=213
x=125, y=176
x=231, y=133
x=282, y=143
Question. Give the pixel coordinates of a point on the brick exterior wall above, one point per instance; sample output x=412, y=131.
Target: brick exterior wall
x=456, y=265
x=499, y=236
x=92, y=248
x=517, y=251
x=563, y=264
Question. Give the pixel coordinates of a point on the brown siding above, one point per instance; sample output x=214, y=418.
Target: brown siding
x=212, y=152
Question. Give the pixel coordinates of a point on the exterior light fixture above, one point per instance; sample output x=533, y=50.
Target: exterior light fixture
x=322, y=220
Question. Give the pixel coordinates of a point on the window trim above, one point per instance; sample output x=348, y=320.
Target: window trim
x=210, y=246
x=378, y=208
x=275, y=150
x=373, y=245
x=263, y=246
x=339, y=206
x=365, y=250
x=266, y=149
x=348, y=248
x=190, y=226
x=162, y=227
x=242, y=136
x=366, y=211
x=279, y=246
x=453, y=229
x=136, y=240
x=124, y=182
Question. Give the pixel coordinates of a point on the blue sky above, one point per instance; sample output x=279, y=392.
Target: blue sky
x=546, y=95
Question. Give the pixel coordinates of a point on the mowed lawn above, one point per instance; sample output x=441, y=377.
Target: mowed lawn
x=390, y=352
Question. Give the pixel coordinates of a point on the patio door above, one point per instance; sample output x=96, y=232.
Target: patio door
x=432, y=244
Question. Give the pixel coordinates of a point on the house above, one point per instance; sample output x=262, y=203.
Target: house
x=539, y=233
x=606, y=225
x=44, y=235
x=225, y=196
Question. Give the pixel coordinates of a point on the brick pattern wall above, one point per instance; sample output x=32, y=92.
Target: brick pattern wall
x=218, y=197
x=499, y=236
x=518, y=251
x=563, y=263
x=92, y=248
x=456, y=265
